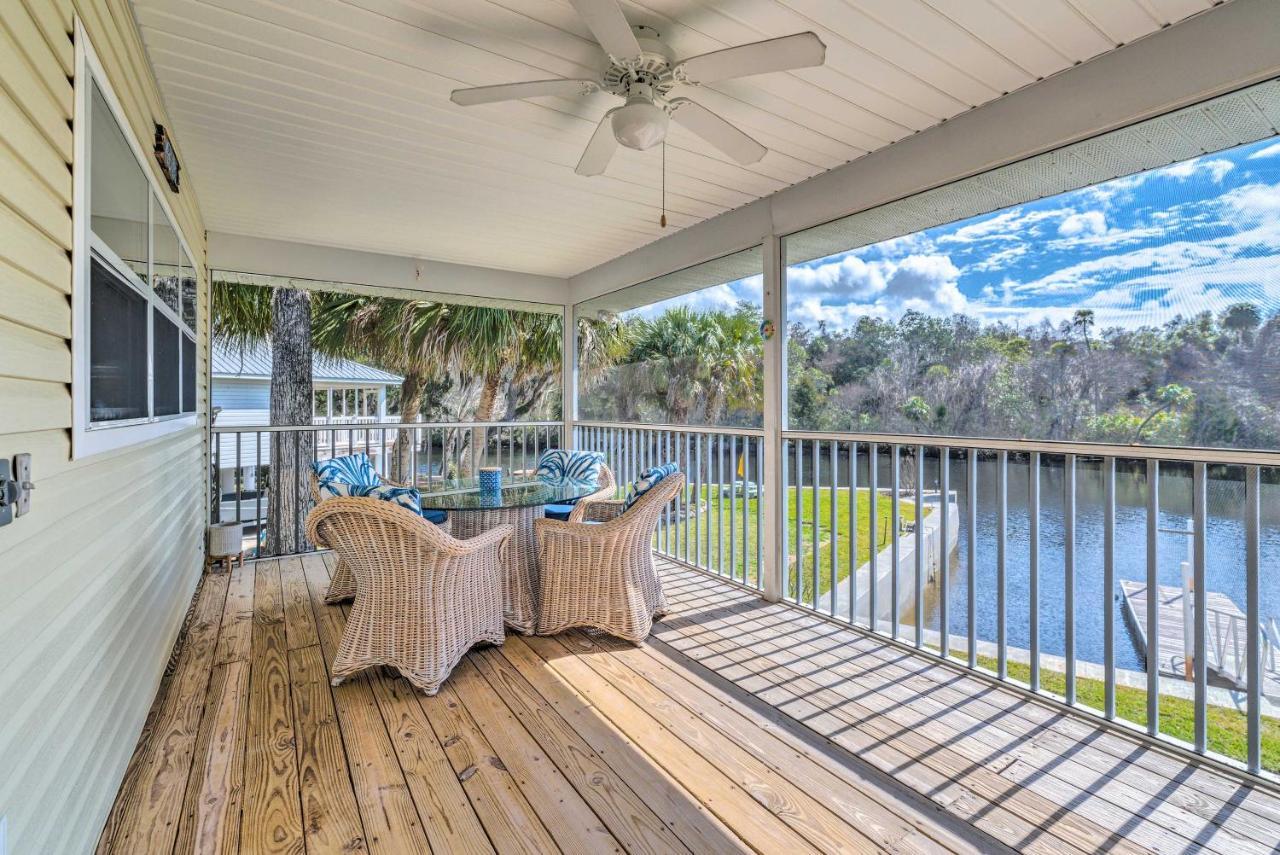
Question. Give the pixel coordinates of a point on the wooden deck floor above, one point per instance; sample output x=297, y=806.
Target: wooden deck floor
x=739, y=726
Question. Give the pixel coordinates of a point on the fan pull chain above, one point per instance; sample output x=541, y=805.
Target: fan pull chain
x=663, y=220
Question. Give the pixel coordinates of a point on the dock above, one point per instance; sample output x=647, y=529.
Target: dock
x=1225, y=637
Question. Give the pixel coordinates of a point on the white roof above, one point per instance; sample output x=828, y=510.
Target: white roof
x=254, y=363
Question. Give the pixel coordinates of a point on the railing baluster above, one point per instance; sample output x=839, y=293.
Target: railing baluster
x=1002, y=532
x=853, y=532
x=1033, y=569
x=799, y=533
x=816, y=470
x=1153, y=597
x=690, y=513
x=1253, y=633
x=1108, y=586
x=719, y=439
x=733, y=509
x=257, y=489
x=698, y=495
x=944, y=556
x=240, y=476
x=784, y=535
x=873, y=534
x=1069, y=574
x=895, y=523
x=759, y=479
x=919, y=545
x=1199, y=491
x=971, y=535
x=834, y=529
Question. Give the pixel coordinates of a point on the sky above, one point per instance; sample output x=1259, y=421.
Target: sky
x=1198, y=235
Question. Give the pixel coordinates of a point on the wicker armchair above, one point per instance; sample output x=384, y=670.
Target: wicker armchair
x=342, y=586
x=602, y=575
x=425, y=597
x=606, y=486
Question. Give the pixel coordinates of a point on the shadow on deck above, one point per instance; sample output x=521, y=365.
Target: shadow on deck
x=739, y=725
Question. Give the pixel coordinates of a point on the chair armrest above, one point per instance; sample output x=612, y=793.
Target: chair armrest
x=596, y=510
x=494, y=536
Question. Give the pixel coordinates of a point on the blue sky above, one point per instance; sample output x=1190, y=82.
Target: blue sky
x=1140, y=250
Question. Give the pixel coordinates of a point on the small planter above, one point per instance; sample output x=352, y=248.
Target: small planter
x=226, y=544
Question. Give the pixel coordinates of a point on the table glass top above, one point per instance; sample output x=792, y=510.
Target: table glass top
x=461, y=494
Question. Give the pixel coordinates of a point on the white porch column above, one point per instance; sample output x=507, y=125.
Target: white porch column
x=569, y=376
x=382, y=404
x=775, y=397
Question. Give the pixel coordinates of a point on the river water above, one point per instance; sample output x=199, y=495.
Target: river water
x=1225, y=544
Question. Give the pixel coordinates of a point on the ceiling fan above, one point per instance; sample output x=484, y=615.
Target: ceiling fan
x=643, y=71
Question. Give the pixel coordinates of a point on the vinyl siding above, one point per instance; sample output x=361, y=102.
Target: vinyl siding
x=97, y=577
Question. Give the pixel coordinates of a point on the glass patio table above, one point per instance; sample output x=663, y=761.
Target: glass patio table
x=520, y=502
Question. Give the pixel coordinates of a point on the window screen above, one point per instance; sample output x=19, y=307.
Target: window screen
x=167, y=395
x=118, y=348
x=188, y=374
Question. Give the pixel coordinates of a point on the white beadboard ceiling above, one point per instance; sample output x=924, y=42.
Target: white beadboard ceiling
x=329, y=121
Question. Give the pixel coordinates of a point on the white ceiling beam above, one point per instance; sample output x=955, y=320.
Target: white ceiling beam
x=433, y=279
x=1221, y=50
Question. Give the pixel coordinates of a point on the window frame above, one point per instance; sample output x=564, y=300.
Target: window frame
x=90, y=437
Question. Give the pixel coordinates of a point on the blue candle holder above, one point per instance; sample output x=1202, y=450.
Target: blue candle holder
x=491, y=480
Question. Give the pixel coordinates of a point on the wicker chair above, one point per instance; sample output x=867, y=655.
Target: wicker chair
x=606, y=487
x=342, y=586
x=602, y=575
x=425, y=597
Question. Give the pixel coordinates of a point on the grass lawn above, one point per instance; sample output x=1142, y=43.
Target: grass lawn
x=720, y=526
x=1226, y=727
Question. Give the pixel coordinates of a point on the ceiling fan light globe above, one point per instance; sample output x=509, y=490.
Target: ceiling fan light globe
x=640, y=124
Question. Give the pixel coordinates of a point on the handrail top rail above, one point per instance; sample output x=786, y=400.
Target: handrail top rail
x=1177, y=454
x=374, y=426
x=668, y=428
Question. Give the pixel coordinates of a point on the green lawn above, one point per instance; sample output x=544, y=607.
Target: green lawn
x=1225, y=727
x=720, y=525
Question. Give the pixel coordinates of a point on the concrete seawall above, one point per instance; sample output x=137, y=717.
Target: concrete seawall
x=906, y=566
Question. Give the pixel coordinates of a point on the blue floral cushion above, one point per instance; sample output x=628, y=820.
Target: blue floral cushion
x=646, y=482
x=351, y=469
x=405, y=497
x=570, y=468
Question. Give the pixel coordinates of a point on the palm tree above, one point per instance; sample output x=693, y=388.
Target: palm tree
x=248, y=314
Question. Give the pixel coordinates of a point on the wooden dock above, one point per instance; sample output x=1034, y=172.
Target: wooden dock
x=1225, y=638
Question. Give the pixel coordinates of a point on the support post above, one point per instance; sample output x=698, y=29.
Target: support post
x=773, y=492
x=568, y=377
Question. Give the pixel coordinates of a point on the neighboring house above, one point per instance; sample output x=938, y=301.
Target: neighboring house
x=347, y=394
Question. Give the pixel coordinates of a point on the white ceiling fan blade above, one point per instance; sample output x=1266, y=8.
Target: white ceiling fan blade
x=527, y=89
x=599, y=150
x=716, y=131
x=606, y=22
x=799, y=51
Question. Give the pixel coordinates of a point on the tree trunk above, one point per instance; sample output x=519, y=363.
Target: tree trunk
x=411, y=393
x=484, y=412
x=291, y=404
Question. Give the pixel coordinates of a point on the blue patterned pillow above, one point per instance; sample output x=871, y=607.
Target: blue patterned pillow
x=573, y=468
x=406, y=497
x=352, y=469
x=646, y=482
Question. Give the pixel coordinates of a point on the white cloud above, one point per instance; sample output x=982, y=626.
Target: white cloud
x=841, y=291
x=1268, y=151
x=1088, y=223
x=1000, y=260
x=1013, y=224
x=1253, y=201
x=1216, y=169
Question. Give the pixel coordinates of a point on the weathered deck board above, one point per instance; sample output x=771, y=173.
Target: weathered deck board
x=740, y=725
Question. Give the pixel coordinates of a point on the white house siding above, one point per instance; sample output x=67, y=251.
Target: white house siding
x=97, y=577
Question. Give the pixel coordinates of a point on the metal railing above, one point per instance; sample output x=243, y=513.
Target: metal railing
x=421, y=454
x=1032, y=563
x=716, y=521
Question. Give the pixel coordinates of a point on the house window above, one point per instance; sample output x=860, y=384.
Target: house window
x=135, y=287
